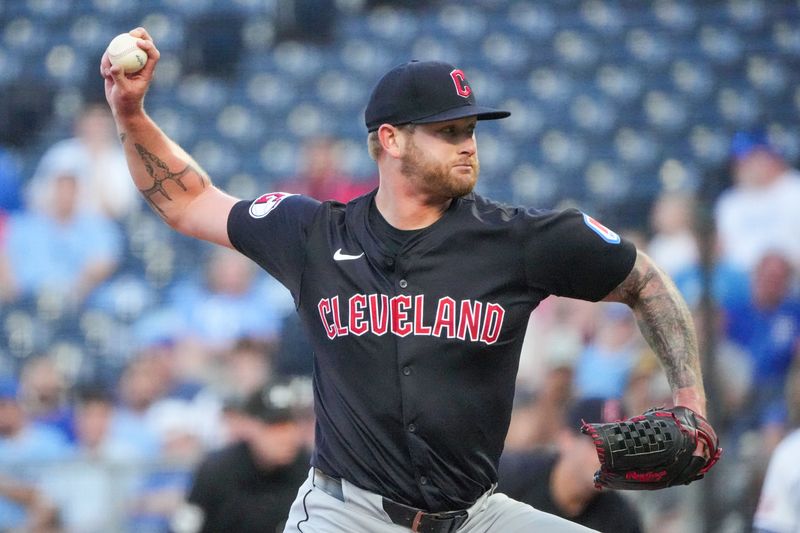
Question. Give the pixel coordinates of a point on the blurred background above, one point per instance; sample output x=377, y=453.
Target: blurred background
x=129, y=353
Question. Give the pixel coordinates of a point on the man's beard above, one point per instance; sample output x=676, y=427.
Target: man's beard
x=435, y=177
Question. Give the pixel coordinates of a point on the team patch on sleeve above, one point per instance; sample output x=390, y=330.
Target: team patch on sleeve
x=264, y=204
x=605, y=233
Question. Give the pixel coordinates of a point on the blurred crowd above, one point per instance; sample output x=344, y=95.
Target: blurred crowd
x=186, y=403
x=108, y=439
x=142, y=439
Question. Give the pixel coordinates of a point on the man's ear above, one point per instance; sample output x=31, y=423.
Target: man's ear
x=392, y=140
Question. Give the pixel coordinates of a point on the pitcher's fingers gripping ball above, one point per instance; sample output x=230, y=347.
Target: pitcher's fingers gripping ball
x=654, y=450
x=123, y=51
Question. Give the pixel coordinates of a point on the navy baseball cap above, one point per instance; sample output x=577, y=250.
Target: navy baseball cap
x=421, y=92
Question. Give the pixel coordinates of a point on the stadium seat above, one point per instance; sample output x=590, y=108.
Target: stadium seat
x=675, y=15
x=720, y=45
x=536, y=19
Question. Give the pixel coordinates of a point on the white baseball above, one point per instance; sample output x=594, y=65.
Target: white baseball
x=123, y=51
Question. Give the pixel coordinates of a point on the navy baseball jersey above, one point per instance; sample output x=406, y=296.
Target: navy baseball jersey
x=417, y=334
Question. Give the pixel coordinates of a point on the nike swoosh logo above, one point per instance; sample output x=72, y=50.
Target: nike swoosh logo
x=339, y=256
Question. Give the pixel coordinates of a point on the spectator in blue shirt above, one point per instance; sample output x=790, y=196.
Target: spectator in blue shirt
x=604, y=365
x=26, y=451
x=767, y=326
x=62, y=250
x=231, y=302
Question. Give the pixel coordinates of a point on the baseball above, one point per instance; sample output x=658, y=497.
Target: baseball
x=123, y=51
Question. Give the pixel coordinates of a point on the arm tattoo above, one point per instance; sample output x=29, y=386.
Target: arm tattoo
x=122, y=137
x=664, y=320
x=158, y=170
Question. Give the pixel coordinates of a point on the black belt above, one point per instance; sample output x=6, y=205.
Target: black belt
x=414, y=519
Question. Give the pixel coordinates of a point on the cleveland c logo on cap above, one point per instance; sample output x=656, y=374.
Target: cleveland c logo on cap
x=462, y=87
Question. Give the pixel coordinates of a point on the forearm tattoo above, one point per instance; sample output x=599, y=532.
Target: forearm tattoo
x=160, y=172
x=664, y=320
x=122, y=137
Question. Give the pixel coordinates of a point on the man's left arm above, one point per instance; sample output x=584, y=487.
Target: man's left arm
x=666, y=324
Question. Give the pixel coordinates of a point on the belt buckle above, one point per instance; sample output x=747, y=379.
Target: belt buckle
x=451, y=519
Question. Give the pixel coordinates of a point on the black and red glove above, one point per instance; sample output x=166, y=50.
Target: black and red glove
x=654, y=450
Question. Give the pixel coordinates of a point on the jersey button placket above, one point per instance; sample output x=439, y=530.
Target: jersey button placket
x=406, y=371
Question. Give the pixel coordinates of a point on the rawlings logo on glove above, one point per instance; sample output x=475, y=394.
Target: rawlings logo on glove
x=654, y=450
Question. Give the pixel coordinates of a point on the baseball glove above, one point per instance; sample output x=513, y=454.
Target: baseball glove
x=653, y=450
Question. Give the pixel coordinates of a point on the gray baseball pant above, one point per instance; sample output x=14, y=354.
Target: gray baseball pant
x=361, y=511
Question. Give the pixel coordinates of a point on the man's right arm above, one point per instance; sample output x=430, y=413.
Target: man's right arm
x=171, y=182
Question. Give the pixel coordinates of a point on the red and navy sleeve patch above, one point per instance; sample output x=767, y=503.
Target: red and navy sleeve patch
x=264, y=204
x=605, y=233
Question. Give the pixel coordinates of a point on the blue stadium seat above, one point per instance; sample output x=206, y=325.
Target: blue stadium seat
x=302, y=62
x=186, y=8
x=535, y=19
x=462, y=22
x=786, y=138
x=115, y=9
x=564, y=150
x=665, y=111
x=218, y=158
x=576, y=50
x=709, y=144
x=649, y=48
x=166, y=29
x=88, y=33
x=25, y=35
x=636, y=148
x=746, y=15
x=240, y=124
x=675, y=15
x=593, y=114
x=738, y=106
x=534, y=185
x=51, y=10
x=66, y=66
x=526, y=121
x=342, y=90
x=721, y=45
x=605, y=18
x=271, y=91
x=429, y=47
x=786, y=37
x=258, y=35
x=606, y=181
x=390, y=26
x=551, y=86
x=202, y=92
x=244, y=184
x=767, y=75
x=366, y=58
x=278, y=158
x=10, y=67
x=505, y=53
x=693, y=78
x=620, y=82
